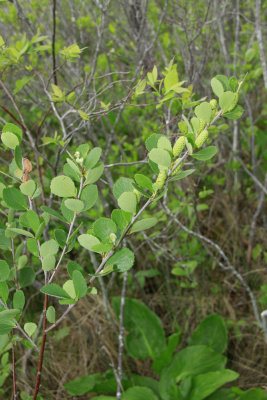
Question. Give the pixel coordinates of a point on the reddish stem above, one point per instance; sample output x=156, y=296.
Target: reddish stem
x=41, y=357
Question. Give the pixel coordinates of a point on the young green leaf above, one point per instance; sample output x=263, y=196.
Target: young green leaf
x=28, y=188
x=89, y=196
x=103, y=227
x=217, y=87
x=48, y=262
x=19, y=300
x=74, y=205
x=160, y=157
x=127, y=202
x=181, y=175
x=49, y=248
x=88, y=241
x=51, y=315
x=30, y=220
x=123, y=259
x=30, y=328
x=205, y=154
x=63, y=186
x=52, y=289
x=94, y=174
x=92, y=158
x=144, y=224
x=4, y=270
x=79, y=283
x=203, y=111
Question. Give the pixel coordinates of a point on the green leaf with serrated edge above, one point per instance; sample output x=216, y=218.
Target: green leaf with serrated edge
x=226, y=100
x=88, y=241
x=144, y=182
x=217, y=87
x=30, y=219
x=10, y=140
x=28, y=188
x=48, y=262
x=236, y=113
x=18, y=157
x=144, y=224
x=164, y=143
x=26, y=276
x=181, y=175
x=30, y=328
x=152, y=141
x=52, y=289
x=15, y=199
x=79, y=283
x=89, y=196
x=224, y=81
x=73, y=266
x=127, y=202
x=49, y=248
x=4, y=270
x=61, y=237
x=203, y=111
x=4, y=291
x=103, y=227
x=20, y=232
x=51, y=315
x=63, y=186
x=92, y=158
x=205, y=154
x=69, y=288
x=19, y=300
x=233, y=83
x=13, y=129
x=160, y=157
x=94, y=174
x=74, y=205
x=122, y=185
x=123, y=259
x=54, y=213
x=6, y=325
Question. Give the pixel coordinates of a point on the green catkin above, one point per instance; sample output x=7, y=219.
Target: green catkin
x=161, y=179
x=213, y=104
x=201, y=139
x=178, y=146
x=138, y=195
x=178, y=168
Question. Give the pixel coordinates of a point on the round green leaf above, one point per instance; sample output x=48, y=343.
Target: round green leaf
x=217, y=87
x=19, y=300
x=15, y=199
x=88, y=241
x=10, y=140
x=30, y=219
x=30, y=328
x=28, y=188
x=205, y=154
x=48, y=262
x=203, y=111
x=122, y=185
x=160, y=157
x=103, y=227
x=94, y=174
x=164, y=143
x=74, y=205
x=63, y=186
x=226, y=100
x=49, y=248
x=13, y=129
x=4, y=270
x=33, y=247
x=51, y=315
x=143, y=224
x=89, y=196
x=127, y=202
x=92, y=158
x=69, y=288
x=123, y=259
x=26, y=276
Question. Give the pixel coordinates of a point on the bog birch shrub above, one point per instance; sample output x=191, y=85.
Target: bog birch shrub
x=37, y=240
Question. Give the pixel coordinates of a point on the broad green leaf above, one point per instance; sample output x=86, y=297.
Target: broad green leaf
x=92, y=158
x=79, y=283
x=122, y=185
x=170, y=80
x=205, y=384
x=181, y=175
x=203, y=111
x=123, y=259
x=253, y=394
x=63, y=186
x=164, y=143
x=211, y=332
x=48, y=262
x=18, y=157
x=19, y=300
x=127, y=202
x=74, y=266
x=49, y=248
x=88, y=241
x=139, y=393
x=146, y=337
x=73, y=166
x=69, y=288
x=67, y=214
x=61, y=237
x=102, y=248
x=121, y=218
x=144, y=224
x=40, y=230
x=89, y=196
x=165, y=357
x=191, y=361
x=236, y=113
x=4, y=291
x=227, y=100
x=19, y=231
x=10, y=140
x=74, y=205
x=52, y=289
x=33, y=247
x=233, y=83
x=13, y=129
x=15, y=199
x=51, y=314
x=94, y=174
x=4, y=270
x=2, y=187
x=160, y=157
x=82, y=385
x=103, y=227
x=144, y=182
x=30, y=220
x=224, y=81
x=152, y=141
x=28, y=188
x=6, y=324
x=26, y=276
x=217, y=87
x=30, y=328
x=68, y=171
x=205, y=154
